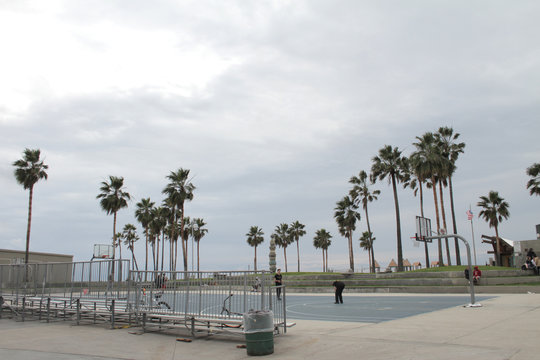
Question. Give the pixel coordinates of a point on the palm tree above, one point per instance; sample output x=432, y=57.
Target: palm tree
x=29, y=170
x=495, y=209
x=179, y=190
x=143, y=214
x=157, y=230
x=322, y=240
x=450, y=150
x=297, y=231
x=282, y=238
x=346, y=217
x=255, y=237
x=366, y=243
x=390, y=164
x=198, y=233
x=428, y=154
x=419, y=173
x=534, y=182
x=129, y=235
x=361, y=190
x=113, y=198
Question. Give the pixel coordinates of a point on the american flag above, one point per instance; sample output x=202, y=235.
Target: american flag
x=469, y=215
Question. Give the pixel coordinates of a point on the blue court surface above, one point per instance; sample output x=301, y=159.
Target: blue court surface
x=371, y=309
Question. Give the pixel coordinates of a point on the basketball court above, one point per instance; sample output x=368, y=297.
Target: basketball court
x=369, y=308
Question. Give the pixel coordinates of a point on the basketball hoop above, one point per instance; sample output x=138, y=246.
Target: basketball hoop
x=442, y=231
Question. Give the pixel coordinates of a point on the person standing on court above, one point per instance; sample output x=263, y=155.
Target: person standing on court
x=278, y=280
x=338, y=288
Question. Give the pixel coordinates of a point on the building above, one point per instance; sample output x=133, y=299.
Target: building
x=10, y=257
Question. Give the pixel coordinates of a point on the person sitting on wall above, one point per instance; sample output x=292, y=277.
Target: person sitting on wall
x=477, y=274
x=530, y=265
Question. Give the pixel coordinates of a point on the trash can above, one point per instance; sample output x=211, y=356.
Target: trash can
x=259, y=332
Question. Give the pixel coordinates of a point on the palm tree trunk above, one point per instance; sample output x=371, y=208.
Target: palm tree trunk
x=458, y=255
x=285, y=255
x=255, y=259
x=146, y=258
x=323, y=264
x=498, y=259
x=398, y=225
x=434, y=188
x=162, y=250
x=426, y=251
x=351, y=255
x=449, y=260
x=326, y=250
x=29, y=225
x=184, y=243
x=298, y=252
x=134, y=260
x=370, y=250
x=198, y=270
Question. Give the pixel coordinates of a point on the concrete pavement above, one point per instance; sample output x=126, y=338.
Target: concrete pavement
x=505, y=327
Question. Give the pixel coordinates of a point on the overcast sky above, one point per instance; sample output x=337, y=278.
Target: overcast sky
x=272, y=105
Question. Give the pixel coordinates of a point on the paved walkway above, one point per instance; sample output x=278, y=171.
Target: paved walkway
x=505, y=327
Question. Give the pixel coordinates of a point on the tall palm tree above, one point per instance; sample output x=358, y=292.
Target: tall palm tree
x=129, y=235
x=282, y=238
x=255, y=237
x=366, y=243
x=179, y=190
x=322, y=240
x=113, y=198
x=450, y=150
x=157, y=230
x=346, y=217
x=362, y=191
x=28, y=171
x=419, y=176
x=297, y=231
x=429, y=155
x=534, y=182
x=198, y=233
x=143, y=214
x=495, y=209
x=390, y=164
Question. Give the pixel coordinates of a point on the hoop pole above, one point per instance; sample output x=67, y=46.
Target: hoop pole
x=471, y=283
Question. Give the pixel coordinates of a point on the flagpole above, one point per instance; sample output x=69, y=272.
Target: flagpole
x=472, y=232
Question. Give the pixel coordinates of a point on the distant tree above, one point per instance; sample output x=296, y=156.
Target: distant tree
x=366, y=243
x=198, y=232
x=179, y=190
x=28, y=171
x=534, y=182
x=322, y=240
x=129, y=235
x=143, y=214
x=450, y=150
x=495, y=209
x=416, y=182
x=390, y=164
x=282, y=237
x=428, y=154
x=297, y=231
x=113, y=198
x=255, y=237
x=362, y=191
x=157, y=232
x=346, y=216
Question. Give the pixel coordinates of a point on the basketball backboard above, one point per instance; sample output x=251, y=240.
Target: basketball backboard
x=423, y=229
x=103, y=251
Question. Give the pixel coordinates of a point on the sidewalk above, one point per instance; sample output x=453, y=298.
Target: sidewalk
x=505, y=327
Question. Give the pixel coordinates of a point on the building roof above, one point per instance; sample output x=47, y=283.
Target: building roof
x=392, y=263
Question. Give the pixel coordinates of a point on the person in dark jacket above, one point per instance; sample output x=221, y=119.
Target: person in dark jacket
x=338, y=290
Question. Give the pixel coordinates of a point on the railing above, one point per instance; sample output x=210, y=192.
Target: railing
x=109, y=291
x=202, y=298
x=89, y=279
